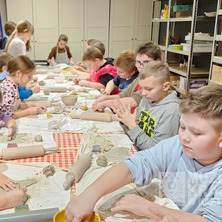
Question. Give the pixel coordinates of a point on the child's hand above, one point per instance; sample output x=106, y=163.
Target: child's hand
x=76, y=81
x=36, y=89
x=6, y=183
x=11, y=132
x=2, y=123
x=124, y=114
x=98, y=106
x=16, y=197
x=132, y=203
x=36, y=109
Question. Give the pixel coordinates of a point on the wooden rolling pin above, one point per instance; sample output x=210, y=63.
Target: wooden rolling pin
x=95, y=116
x=25, y=152
x=76, y=172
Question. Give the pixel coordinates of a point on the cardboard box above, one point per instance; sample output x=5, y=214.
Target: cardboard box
x=174, y=79
x=217, y=73
x=194, y=84
x=183, y=14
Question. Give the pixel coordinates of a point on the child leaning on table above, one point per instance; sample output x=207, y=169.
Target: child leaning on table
x=101, y=71
x=126, y=70
x=188, y=164
x=61, y=52
x=21, y=70
x=158, y=113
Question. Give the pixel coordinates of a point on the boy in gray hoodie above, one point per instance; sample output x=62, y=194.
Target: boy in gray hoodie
x=158, y=114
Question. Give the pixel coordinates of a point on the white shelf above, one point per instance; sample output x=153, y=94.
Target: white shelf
x=220, y=12
x=184, y=19
x=181, y=52
x=217, y=59
x=218, y=37
x=159, y=20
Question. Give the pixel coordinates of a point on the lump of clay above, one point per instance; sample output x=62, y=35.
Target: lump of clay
x=49, y=170
x=46, y=91
x=83, y=90
x=38, y=138
x=58, y=110
x=41, y=83
x=102, y=161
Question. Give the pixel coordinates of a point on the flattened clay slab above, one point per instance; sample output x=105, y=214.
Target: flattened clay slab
x=19, y=138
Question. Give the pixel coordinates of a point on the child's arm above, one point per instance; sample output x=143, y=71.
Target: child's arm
x=13, y=198
x=75, y=70
x=11, y=125
x=109, y=87
x=71, y=61
x=28, y=109
x=6, y=183
x=51, y=56
x=144, y=208
x=114, y=178
x=94, y=85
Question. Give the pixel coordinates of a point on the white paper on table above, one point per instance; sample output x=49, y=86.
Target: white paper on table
x=48, y=140
x=46, y=193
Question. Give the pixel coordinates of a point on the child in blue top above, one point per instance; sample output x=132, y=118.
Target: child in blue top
x=4, y=59
x=189, y=166
x=126, y=70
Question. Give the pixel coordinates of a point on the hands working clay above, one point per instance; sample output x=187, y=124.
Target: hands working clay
x=123, y=114
x=14, y=196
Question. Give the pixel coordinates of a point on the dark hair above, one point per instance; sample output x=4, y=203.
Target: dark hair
x=150, y=49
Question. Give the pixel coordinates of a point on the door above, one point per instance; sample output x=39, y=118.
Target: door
x=96, y=17
x=71, y=24
x=45, y=13
x=121, y=26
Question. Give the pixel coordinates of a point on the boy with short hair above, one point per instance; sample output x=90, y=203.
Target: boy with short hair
x=189, y=166
x=145, y=53
x=158, y=113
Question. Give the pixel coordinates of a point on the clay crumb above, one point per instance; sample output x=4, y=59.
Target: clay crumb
x=49, y=170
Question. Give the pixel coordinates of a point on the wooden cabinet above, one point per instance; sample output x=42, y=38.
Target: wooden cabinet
x=130, y=24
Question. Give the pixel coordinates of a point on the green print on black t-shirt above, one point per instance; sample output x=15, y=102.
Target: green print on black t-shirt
x=147, y=123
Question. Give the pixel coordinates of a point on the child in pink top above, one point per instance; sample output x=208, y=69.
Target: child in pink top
x=101, y=71
x=21, y=70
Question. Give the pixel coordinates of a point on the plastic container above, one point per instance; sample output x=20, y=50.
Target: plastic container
x=60, y=217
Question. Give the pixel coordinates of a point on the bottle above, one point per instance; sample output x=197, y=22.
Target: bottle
x=166, y=9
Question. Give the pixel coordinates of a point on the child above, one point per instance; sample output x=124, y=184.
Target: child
x=61, y=52
x=126, y=70
x=19, y=41
x=101, y=72
x=158, y=112
x=8, y=122
x=4, y=59
x=145, y=53
x=14, y=196
x=21, y=70
x=189, y=166
x=9, y=27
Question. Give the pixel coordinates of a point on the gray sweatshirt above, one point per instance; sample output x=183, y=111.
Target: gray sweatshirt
x=155, y=121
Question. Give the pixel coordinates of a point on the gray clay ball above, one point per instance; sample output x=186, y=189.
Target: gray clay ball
x=38, y=138
x=46, y=91
x=41, y=83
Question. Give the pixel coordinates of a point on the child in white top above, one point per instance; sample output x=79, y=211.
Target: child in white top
x=19, y=41
x=21, y=70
